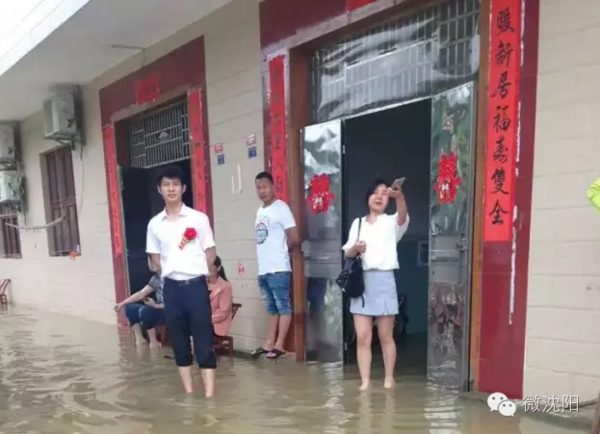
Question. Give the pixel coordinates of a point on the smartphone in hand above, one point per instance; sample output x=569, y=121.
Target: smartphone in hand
x=399, y=182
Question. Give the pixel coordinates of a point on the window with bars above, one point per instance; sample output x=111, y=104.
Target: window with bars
x=159, y=136
x=10, y=240
x=416, y=56
x=60, y=202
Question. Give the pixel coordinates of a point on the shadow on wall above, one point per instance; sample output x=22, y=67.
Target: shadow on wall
x=391, y=144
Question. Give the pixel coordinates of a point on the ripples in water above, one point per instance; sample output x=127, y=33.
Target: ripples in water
x=66, y=375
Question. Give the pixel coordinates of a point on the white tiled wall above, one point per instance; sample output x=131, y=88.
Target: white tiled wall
x=563, y=315
x=82, y=286
x=234, y=91
x=85, y=286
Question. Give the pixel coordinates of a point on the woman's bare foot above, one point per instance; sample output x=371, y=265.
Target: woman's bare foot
x=139, y=336
x=389, y=383
x=364, y=386
x=154, y=343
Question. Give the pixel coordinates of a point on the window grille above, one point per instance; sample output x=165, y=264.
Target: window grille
x=416, y=56
x=159, y=136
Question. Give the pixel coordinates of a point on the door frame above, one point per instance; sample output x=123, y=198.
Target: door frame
x=297, y=50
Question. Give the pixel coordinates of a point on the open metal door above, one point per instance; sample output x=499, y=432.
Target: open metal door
x=450, y=236
x=322, y=161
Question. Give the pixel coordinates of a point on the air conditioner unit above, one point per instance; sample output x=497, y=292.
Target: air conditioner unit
x=7, y=142
x=60, y=120
x=10, y=187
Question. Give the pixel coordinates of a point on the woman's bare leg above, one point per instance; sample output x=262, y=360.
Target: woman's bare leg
x=385, y=329
x=152, y=337
x=139, y=337
x=364, y=336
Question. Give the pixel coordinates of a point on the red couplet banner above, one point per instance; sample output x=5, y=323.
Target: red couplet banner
x=277, y=115
x=114, y=202
x=503, y=119
x=196, y=122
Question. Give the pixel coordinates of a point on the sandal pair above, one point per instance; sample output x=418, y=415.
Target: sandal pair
x=271, y=355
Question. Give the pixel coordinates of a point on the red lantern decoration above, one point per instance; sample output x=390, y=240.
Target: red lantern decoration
x=320, y=197
x=448, y=181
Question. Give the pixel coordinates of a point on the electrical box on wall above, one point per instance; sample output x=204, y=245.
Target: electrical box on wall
x=60, y=120
x=9, y=187
x=8, y=150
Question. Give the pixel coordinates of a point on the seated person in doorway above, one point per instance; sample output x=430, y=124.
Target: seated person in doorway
x=221, y=298
x=143, y=312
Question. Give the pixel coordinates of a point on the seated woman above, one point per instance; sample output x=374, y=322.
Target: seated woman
x=143, y=312
x=221, y=298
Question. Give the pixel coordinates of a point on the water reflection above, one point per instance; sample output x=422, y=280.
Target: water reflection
x=64, y=375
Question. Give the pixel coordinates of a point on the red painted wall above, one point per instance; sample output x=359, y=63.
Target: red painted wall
x=282, y=18
x=183, y=69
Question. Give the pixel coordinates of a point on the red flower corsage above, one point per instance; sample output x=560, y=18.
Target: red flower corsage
x=189, y=235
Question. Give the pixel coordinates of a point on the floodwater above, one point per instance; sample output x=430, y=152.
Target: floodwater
x=66, y=375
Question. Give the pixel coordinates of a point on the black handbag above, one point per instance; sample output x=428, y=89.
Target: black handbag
x=350, y=278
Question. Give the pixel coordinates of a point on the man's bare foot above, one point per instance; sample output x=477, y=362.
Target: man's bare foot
x=364, y=386
x=389, y=383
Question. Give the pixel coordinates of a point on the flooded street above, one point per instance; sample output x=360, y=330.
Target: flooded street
x=66, y=375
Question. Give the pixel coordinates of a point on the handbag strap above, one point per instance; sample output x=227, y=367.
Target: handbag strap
x=359, y=224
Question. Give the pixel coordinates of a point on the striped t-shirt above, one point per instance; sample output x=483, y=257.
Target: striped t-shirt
x=157, y=283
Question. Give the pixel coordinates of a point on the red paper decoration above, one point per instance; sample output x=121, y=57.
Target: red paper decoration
x=320, y=196
x=447, y=182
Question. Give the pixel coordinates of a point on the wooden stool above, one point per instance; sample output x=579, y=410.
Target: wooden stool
x=221, y=343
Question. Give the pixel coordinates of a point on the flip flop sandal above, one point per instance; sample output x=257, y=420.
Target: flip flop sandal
x=259, y=352
x=275, y=354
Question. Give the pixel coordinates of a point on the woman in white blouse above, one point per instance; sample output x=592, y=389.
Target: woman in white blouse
x=376, y=244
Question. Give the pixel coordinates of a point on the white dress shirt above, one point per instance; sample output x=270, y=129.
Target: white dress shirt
x=164, y=237
x=381, y=238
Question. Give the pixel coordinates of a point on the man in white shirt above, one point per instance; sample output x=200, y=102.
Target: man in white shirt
x=276, y=235
x=181, y=244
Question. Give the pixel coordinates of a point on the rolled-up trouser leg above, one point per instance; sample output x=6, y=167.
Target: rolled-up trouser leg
x=200, y=320
x=176, y=314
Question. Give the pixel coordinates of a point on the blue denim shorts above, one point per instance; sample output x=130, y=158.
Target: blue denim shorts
x=275, y=288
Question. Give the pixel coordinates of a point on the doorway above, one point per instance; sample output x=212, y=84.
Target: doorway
x=431, y=143
x=141, y=202
x=388, y=145
x=155, y=138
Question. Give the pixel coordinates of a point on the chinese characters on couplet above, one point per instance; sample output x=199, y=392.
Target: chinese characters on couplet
x=503, y=123
x=277, y=115
x=113, y=187
x=552, y=404
x=196, y=115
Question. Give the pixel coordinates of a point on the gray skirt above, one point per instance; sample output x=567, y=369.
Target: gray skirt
x=380, y=296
